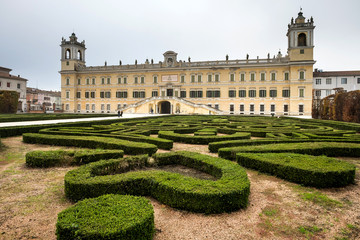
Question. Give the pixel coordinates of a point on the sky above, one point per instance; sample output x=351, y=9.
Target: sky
x=114, y=30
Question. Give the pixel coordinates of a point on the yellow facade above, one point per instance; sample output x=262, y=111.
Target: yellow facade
x=281, y=85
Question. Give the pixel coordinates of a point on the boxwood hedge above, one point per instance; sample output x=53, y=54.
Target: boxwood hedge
x=91, y=142
x=109, y=217
x=229, y=193
x=330, y=149
x=43, y=159
x=316, y=171
x=176, y=137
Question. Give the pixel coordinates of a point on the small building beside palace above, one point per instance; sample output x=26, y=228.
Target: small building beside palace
x=10, y=82
x=280, y=84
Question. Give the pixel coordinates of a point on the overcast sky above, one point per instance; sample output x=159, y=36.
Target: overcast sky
x=31, y=32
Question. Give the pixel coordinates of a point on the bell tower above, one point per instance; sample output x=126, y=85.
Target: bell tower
x=72, y=53
x=301, y=38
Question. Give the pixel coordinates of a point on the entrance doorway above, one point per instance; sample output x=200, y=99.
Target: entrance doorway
x=170, y=92
x=164, y=107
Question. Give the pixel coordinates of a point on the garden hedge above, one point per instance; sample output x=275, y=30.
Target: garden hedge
x=176, y=137
x=228, y=193
x=43, y=159
x=109, y=217
x=91, y=142
x=315, y=171
x=330, y=149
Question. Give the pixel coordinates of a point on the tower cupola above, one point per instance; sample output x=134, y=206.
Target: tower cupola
x=72, y=53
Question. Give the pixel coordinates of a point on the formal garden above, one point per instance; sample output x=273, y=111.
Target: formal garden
x=181, y=177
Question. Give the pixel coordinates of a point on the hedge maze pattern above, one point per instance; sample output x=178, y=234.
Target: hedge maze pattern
x=296, y=150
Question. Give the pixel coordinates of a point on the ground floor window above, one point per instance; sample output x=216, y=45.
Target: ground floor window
x=301, y=108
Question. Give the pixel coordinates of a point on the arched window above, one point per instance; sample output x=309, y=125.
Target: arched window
x=302, y=40
x=79, y=55
x=67, y=54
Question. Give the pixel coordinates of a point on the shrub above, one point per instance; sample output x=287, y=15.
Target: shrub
x=316, y=171
x=176, y=137
x=91, y=142
x=107, y=217
x=43, y=159
x=229, y=193
x=9, y=101
x=330, y=149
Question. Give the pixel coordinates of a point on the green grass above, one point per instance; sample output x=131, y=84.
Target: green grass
x=309, y=231
x=317, y=198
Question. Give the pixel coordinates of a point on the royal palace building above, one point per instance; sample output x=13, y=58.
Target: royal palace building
x=280, y=85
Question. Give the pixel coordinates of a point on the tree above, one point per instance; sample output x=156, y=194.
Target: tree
x=9, y=101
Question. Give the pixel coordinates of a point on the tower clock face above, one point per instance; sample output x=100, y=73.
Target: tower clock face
x=169, y=62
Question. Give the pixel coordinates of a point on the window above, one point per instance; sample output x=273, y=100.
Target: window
x=192, y=78
x=182, y=93
x=108, y=81
x=67, y=107
x=358, y=80
x=301, y=108
x=242, y=77
x=213, y=93
x=102, y=94
x=232, y=77
x=196, y=94
x=286, y=108
x=67, y=63
x=318, y=93
x=182, y=78
x=328, y=92
x=121, y=94
x=0, y=84
x=199, y=78
x=252, y=93
x=142, y=80
x=231, y=107
x=273, y=93
x=154, y=93
x=302, y=51
x=273, y=76
x=262, y=93
x=92, y=107
x=79, y=107
x=262, y=107
x=318, y=81
x=87, y=94
x=107, y=94
x=302, y=75
x=252, y=107
x=242, y=93
x=108, y=107
x=92, y=94
x=272, y=107
x=78, y=94
x=139, y=94
x=343, y=80
x=18, y=85
x=262, y=77
x=67, y=81
x=79, y=81
x=87, y=81
x=232, y=93
x=93, y=81
x=286, y=76
x=209, y=78
x=102, y=107
x=328, y=81
x=286, y=93
x=119, y=106
x=136, y=80
x=67, y=94
x=87, y=107
x=102, y=80
x=217, y=77
x=216, y=106
x=125, y=80
x=155, y=79
x=301, y=92
x=119, y=80
x=242, y=107
x=252, y=77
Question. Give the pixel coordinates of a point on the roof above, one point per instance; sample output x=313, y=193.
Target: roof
x=336, y=73
x=11, y=77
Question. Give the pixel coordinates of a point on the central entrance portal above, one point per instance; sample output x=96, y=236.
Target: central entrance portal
x=164, y=107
